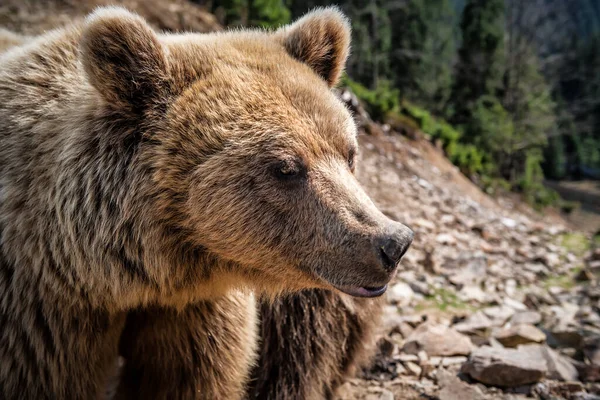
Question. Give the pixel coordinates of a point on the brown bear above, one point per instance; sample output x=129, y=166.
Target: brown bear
x=149, y=182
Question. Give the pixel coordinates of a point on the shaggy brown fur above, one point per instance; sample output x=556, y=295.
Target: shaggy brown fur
x=150, y=175
x=169, y=354
x=311, y=342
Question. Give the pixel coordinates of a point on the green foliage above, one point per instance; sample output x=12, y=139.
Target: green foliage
x=369, y=61
x=261, y=13
x=424, y=119
x=268, y=13
x=555, y=163
x=588, y=150
x=490, y=127
x=577, y=243
x=423, y=32
x=379, y=101
x=493, y=185
x=480, y=58
x=532, y=110
x=531, y=183
x=444, y=300
x=568, y=207
x=497, y=91
x=467, y=157
x=596, y=240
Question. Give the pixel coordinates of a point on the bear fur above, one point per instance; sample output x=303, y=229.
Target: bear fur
x=311, y=342
x=145, y=178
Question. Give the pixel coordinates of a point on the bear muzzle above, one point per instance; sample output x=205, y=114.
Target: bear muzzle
x=388, y=249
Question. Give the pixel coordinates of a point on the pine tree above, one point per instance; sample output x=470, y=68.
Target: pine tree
x=371, y=41
x=480, y=65
x=263, y=13
x=423, y=37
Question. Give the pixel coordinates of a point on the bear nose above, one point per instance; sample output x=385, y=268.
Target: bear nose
x=392, y=246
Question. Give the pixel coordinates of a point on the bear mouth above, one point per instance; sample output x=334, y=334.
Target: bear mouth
x=363, y=291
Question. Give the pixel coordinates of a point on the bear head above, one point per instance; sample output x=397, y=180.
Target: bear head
x=251, y=155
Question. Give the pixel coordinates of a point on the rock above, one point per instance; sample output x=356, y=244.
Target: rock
x=594, y=267
x=407, y=358
x=588, y=372
x=510, y=287
x=585, y=276
x=456, y=360
x=509, y=223
x=446, y=238
x=400, y=294
x=591, y=349
x=558, y=390
x=423, y=357
x=437, y=340
x=400, y=370
x=431, y=262
x=405, y=329
x=514, y=304
x=452, y=388
x=475, y=323
x=499, y=314
x=505, y=367
x=550, y=260
x=412, y=368
x=565, y=337
x=526, y=317
x=421, y=287
x=559, y=367
x=538, y=269
x=515, y=335
x=424, y=223
x=473, y=293
x=386, y=347
x=379, y=394
x=472, y=274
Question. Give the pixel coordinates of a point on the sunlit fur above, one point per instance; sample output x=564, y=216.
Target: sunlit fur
x=136, y=177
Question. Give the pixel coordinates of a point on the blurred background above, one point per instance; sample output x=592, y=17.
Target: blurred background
x=480, y=128
x=509, y=89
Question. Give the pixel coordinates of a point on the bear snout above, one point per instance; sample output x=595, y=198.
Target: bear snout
x=391, y=247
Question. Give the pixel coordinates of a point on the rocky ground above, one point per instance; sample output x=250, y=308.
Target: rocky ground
x=493, y=300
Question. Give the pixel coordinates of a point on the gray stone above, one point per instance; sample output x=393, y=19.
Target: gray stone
x=514, y=304
x=499, y=314
x=474, y=323
x=559, y=366
x=472, y=274
x=437, y=340
x=526, y=317
x=400, y=294
x=505, y=367
x=452, y=388
x=515, y=335
x=379, y=394
x=412, y=368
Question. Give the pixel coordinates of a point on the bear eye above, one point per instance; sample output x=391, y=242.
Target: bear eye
x=351, y=159
x=287, y=170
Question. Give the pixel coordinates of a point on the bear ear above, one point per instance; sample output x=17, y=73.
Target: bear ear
x=320, y=39
x=123, y=58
